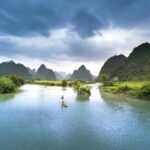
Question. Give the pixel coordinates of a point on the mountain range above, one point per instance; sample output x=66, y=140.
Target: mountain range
x=134, y=67
x=43, y=73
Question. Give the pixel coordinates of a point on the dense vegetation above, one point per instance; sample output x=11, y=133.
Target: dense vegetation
x=135, y=89
x=10, y=83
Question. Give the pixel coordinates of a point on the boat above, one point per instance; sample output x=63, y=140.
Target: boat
x=63, y=102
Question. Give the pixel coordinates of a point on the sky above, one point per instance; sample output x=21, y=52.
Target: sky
x=64, y=34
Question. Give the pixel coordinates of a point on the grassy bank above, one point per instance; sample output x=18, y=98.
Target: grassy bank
x=135, y=89
x=56, y=82
x=9, y=84
x=51, y=83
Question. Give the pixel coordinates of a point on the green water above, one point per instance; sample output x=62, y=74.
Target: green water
x=33, y=119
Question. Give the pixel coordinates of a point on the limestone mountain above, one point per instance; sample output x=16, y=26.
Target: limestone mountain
x=81, y=74
x=44, y=73
x=111, y=65
x=137, y=65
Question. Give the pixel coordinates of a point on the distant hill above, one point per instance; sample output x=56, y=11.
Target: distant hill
x=61, y=75
x=45, y=74
x=81, y=74
x=137, y=65
x=58, y=76
x=68, y=76
x=32, y=72
x=112, y=64
x=10, y=67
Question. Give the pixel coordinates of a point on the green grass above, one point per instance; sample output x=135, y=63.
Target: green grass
x=56, y=82
x=136, y=89
x=52, y=83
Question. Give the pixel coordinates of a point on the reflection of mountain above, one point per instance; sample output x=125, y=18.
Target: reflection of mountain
x=124, y=103
x=82, y=98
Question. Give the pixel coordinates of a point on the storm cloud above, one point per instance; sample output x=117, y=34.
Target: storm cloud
x=72, y=30
x=26, y=17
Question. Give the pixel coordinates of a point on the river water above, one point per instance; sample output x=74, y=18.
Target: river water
x=33, y=119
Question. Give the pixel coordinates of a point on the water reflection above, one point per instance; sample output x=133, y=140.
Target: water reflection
x=34, y=119
x=64, y=88
x=7, y=97
x=82, y=98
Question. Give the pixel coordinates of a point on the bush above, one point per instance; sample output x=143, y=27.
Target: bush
x=16, y=80
x=145, y=91
x=64, y=83
x=123, y=88
x=6, y=85
x=83, y=90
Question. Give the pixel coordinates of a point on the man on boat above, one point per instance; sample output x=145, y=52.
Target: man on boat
x=62, y=101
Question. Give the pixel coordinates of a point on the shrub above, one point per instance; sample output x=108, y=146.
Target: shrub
x=64, y=83
x=6, y=85
x=145, y=91
x=123, y=88
x=16, y=80
x=83, y=90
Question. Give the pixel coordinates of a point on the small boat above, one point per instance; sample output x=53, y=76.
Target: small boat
x=63, y=102
x=64, y=105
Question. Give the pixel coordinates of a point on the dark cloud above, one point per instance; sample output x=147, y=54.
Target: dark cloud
x=127, y=13
x=24, y=17
x=73, y=48
x=86, y=23
x=31, y=28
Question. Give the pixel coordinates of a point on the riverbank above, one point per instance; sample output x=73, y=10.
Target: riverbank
x=133, y=89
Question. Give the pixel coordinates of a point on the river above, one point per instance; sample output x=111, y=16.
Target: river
x=33, y=119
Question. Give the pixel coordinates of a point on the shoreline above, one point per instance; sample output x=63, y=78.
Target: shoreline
x=125, y=95
x=139, y=90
